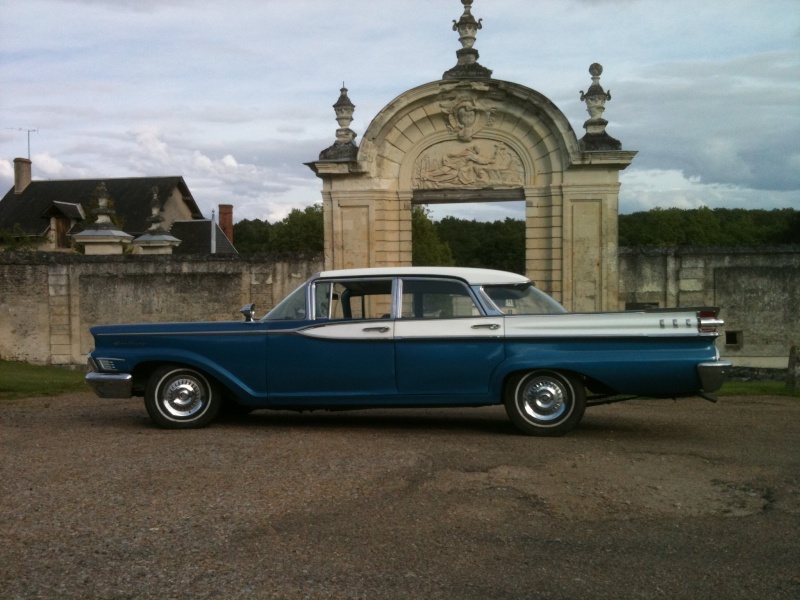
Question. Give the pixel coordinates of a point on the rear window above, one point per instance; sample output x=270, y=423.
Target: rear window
x=522, y=299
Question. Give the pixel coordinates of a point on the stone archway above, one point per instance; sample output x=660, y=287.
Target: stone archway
x=471, y=138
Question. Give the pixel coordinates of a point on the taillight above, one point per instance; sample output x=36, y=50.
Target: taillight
x=707, y=321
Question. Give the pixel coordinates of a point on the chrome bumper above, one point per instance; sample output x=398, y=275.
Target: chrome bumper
x=713, y=374
x=111, y=385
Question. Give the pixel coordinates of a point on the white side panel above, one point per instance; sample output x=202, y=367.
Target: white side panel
x=669, y=324
x=488, y=327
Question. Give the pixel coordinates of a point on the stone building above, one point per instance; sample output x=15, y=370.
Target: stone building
x=48, y=214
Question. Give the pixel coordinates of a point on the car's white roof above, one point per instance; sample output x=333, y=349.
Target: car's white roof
x=471, y=276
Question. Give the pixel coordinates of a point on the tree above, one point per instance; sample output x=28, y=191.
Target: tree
x=252, y=235
x=427, y=248
x=496, y=245
x=300, y=232
x=709, y=227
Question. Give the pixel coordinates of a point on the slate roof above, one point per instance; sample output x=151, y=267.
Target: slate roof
x=195, y=238
x=131, y=196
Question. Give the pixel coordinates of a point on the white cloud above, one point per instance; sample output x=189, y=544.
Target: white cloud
x=645, y=189
x=47, y=165
x=150, y=146
x=6, y=171
x=236, y=96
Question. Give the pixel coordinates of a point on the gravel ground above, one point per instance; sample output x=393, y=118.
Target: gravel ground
x=648, y=499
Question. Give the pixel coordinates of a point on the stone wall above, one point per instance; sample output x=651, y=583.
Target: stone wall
x=49, y=301
x=757, y=290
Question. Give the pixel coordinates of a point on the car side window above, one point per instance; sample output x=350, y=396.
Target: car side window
x=355, y=299
x=436, y=299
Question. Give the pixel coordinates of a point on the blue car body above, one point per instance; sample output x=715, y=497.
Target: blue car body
x=415, y=337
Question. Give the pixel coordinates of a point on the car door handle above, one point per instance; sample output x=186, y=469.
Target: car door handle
x=378, y=329
x=491, y=326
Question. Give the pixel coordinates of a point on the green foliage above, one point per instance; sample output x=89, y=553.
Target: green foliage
x=710, y=227
x=252, y=236
x=23, y=380
x=496, y=245
x=300, y=232
x=428, y=249
x=16, y=240
x=501, y=244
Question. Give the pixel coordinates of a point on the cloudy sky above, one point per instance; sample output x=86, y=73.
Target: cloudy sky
x=235, y=96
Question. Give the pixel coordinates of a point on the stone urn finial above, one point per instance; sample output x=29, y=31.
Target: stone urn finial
x=344, y=108
x=155, y=219
x=344, y=148
x=103, y=236
x=103, y=211
x=156, y=240
x=596, y=138
x=467, y=27
x=467, y=66
x=596, y=97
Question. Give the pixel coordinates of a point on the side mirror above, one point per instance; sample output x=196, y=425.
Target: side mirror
x=249, y=312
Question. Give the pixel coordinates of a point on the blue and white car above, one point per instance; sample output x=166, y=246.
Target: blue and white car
x=411, y=337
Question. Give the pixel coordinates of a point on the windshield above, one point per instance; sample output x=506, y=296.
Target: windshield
x=291, y=308
x=522, y=299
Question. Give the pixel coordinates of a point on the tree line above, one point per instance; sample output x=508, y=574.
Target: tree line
x=501, y=244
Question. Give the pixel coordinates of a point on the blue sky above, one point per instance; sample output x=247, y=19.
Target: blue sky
x=235, y=96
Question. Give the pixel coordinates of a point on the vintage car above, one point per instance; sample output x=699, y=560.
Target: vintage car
x=411, y=337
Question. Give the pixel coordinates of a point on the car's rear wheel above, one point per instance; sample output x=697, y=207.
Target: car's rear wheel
x=181, y=398
x=546, y=403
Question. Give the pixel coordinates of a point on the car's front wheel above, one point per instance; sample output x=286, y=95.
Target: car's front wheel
x=181, y=398
x=544, y=402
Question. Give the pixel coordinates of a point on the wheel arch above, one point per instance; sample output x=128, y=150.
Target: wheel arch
x=144, y=370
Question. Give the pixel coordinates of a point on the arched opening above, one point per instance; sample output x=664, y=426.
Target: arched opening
x=474, y=234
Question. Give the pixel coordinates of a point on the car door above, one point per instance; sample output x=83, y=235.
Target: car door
x=444, y=345
x=343, y=354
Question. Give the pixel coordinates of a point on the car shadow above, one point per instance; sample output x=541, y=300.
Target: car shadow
x=490, y=421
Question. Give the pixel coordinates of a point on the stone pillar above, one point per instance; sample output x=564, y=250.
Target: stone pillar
x=58, y=306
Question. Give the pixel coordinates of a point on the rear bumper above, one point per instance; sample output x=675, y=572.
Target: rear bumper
x=713, y=375
x=111, y=385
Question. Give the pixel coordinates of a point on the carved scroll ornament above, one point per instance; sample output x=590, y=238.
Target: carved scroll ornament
x=467, y=116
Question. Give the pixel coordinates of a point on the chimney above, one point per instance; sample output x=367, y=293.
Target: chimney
x=22, y=174
x=226, y=220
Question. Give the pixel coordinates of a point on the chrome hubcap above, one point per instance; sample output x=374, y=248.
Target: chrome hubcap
x=543, y=399
x=183, y=397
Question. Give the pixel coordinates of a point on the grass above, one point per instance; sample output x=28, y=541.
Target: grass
x=756, y=388
x=23, y=380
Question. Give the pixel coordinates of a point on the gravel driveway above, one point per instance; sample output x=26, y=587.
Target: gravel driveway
x=648, y=499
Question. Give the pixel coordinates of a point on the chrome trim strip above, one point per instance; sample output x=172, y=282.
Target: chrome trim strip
x=159, y=333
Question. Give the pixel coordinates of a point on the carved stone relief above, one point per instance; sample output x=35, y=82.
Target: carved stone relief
x=484, y=164
x=467, y=116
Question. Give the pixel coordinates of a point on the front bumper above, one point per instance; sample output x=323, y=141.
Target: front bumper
x=111, y=385
x=713, y=374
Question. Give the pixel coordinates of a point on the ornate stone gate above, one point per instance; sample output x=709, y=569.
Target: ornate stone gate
x=471, y=138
